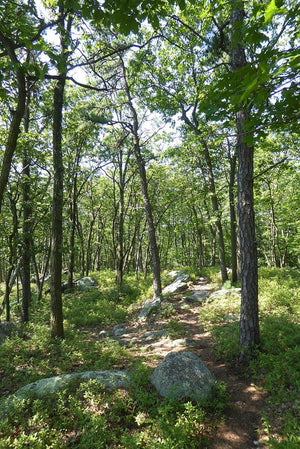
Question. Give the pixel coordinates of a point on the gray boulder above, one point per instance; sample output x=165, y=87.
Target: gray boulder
x=174, y=274
x=197, y=297
x=224, y=292
x=110, y=380
x=86, y=283
x=180, y=283
x=183, y=375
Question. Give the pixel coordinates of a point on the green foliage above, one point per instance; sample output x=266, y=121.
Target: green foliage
x=175, y=328
x=277, y=364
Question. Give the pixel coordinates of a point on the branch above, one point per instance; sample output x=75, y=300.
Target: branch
x=270, y=168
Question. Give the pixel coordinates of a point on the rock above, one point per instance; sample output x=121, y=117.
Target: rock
x=224, y=292
x=86, y=283
x=174, y=274
x=183, y=375
x=110, y=380
x=185, y=306
x=149, y=336
x=7, y=329
x=198, y=297
x=180, y=283
x=149, y=306
x=120, y=331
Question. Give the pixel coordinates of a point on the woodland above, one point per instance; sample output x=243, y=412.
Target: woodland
x=139, y=137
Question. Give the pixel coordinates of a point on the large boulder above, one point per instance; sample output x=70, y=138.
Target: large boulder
x=110, y=380
x=183, y=375
x=86, y=283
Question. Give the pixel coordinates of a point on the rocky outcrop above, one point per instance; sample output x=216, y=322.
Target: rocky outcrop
x=110, y=380
x=179, y=283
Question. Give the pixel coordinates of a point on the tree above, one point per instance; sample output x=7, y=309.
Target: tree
x=134, y=129
x=249, y=324
x=58, y=181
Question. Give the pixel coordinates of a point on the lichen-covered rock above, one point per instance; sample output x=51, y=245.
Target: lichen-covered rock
x=149, y=306
x=183, y=375
x=197, y=297
x=178, y=284
x=110, y=380
x=86, y=283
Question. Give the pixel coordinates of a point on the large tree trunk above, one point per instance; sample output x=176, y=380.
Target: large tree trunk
x=17, y=117
x=249, y=325
x=57, y=329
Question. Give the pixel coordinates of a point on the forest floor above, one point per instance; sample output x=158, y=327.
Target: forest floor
x=240, y=427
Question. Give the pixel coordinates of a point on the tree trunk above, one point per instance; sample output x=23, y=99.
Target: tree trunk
x=27, y=215
x=233, y=224
x=144, y=188
x=249, y=324
x=57, y=329
x=17, y=117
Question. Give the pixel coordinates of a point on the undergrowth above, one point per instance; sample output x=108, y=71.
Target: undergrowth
x=86, y=416
x=276, y=367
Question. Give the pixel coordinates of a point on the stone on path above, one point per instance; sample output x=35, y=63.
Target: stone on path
x=149, y=306
x=183, y=375
x=180, y=283
x=197, y=297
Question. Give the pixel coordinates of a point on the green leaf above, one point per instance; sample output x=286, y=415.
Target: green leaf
x=274, y=7
x=270, y=11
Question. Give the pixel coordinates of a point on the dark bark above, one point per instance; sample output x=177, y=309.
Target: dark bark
x=27, y=215
x=18, y=113
x=57, y=329
x=249, y=324
x=233, y=224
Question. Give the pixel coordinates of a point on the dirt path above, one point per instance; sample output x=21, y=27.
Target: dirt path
x=239, y=430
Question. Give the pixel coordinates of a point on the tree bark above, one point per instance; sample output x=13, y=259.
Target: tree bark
x=27, y=215
x=249, y=324
x=57, y=329
x=18, y=113
x=233, y=224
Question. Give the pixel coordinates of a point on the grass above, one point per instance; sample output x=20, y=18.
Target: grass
x=277, y=365
x=86, y=416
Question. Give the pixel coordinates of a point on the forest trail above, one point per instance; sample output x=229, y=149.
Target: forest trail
x=239, y=429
